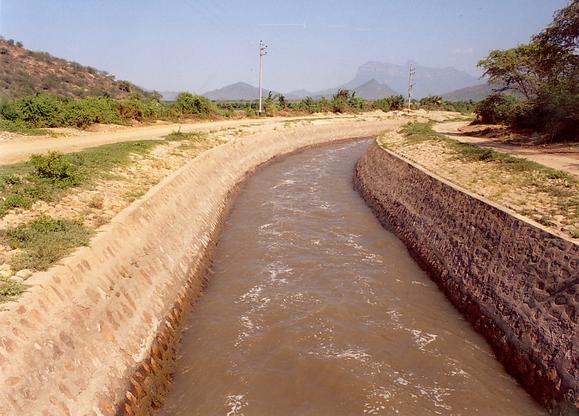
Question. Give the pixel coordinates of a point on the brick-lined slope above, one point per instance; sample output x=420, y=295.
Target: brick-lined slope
x=517, y=284
x=94, y=335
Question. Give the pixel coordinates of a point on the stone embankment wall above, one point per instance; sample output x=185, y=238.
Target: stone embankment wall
x=95, y=335
x=517, y=284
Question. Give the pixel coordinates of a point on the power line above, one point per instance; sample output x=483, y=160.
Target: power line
x=262, y=53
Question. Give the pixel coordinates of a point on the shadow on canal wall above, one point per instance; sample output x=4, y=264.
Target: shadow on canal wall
x=96, y=334
x=516, y=283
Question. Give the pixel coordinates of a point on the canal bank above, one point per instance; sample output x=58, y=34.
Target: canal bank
x=312, y=308
x=515, y=282
x=95, y=334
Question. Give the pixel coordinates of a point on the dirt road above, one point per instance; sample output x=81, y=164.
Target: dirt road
x=21, y=148
x=564, y=158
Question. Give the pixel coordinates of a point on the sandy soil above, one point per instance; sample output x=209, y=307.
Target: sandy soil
x=529, y=196
x=561, y=157
x=16, y=147
x=98, y=204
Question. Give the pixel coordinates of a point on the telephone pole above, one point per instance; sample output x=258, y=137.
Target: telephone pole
x=411, y=83
x=262, y=53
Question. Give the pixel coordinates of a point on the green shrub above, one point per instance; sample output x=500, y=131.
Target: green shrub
x=54, y=166
x=140, y=110
x=250, y=112
x=496, y=109
x=42, y=110
x=432, y=102
x=341, y=101
x=391, y=103
x=555, y=112
x=309, y=105
x=189, y=104
x=10, y=289
x=83, y=113
x=44, y=241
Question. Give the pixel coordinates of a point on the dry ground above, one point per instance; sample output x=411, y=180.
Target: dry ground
x=103, y=199
x=551, y=200
x=563, y=157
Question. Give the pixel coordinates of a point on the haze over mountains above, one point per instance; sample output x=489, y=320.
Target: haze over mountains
x=374, y=80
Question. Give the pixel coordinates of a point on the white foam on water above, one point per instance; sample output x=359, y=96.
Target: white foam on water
x=277, y=269
x=422, y=339
x=402, y=381
x=285, y=182
x=235, y=402
x=377, y=399
x=437, y=395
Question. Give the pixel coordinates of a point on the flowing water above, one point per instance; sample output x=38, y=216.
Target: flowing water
x=312, y=308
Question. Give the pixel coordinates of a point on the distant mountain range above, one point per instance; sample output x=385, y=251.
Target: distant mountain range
x=428, y=81
x=474, y=93
x=375, y=80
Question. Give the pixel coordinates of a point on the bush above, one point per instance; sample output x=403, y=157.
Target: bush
x=496, y=109
x=54, y=166
x=83, y=113
x=250, y=112
x=341, y=101
x=392, y=103
x=42, y=110
x=140, y=110
x=189, y=104
x=44, y=241
x=433, y=102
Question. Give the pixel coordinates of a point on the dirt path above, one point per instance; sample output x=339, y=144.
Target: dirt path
x=20, y=148
x=564, y=158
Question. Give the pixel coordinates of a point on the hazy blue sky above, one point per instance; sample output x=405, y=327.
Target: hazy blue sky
x=205, y=44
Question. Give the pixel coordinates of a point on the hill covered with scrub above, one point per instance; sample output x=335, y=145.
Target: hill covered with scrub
x=24, y=72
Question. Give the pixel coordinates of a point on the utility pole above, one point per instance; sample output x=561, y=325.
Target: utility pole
x=262, y=53
x=411, y=83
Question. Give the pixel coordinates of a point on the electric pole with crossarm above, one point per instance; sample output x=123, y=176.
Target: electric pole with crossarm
x=411, y=83
x=262, y=53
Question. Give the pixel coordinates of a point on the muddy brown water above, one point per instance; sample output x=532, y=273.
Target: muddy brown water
x=312, y=308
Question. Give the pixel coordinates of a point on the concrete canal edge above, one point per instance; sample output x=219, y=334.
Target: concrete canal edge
x=516, y=283
x=96, y=334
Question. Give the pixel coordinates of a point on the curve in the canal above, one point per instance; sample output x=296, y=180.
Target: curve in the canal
x=312, y=308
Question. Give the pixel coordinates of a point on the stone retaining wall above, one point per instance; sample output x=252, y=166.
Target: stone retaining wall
x=517, y=284
x=95, y=335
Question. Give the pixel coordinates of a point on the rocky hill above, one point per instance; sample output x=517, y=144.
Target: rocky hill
x=239, y=91
x=428, y=81
x=474, y=93
x=25, y=72
x=373, y=90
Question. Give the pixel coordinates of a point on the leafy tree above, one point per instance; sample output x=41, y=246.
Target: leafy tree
x=497, y=108
x=546, y=73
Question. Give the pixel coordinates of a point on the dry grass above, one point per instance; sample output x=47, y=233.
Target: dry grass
x=547, y=196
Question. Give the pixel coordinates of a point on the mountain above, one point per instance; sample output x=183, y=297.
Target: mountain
x=472, y=93
x=373, y=90
x=298, y=94
x=428, y=81
x=237, y=92
x=370, y=90
x=25, y=72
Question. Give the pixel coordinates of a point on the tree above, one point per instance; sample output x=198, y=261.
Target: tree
x=516, y=69
x=545, y=72
x=558, y=42
x=281, y=101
